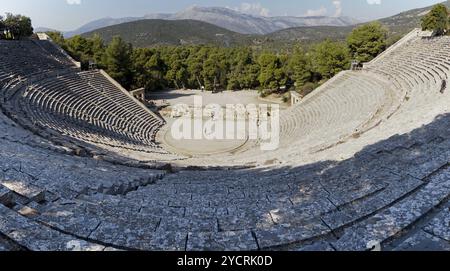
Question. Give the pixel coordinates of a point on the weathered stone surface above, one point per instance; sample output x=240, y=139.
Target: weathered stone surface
x=5, y=195
x=172, y=224
x=422, y=241
x=70, y=220
x=221, y=241
x=364, y=207
x=139, y=237
x=28, y=212
x=318, y=246
x=392, y=221
x=285, y=235
x=37, y=237
x=3, y=248
x=440, y=225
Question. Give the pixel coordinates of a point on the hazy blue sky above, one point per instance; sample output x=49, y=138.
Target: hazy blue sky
x=70, y=14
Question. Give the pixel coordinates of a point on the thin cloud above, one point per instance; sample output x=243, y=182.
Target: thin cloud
x=322, y=11
x=254, y=9
x=73, y=2
x=338, y=6
x=374, y=2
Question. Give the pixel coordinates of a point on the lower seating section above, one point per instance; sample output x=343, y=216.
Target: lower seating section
x=398, y=197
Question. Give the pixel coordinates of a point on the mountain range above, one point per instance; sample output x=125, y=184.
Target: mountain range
x=154, y=32
x=228, y=27
x=226, y=18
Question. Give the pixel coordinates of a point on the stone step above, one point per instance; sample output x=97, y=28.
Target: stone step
x=393, y=221
x=36, y=237
x=26, y=190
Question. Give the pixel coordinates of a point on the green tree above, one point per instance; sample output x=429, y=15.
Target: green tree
x=117, y=61
x=436, y=20
x=329, y=58
x=272, y=75
x=97, y=49
x=177, y=72
x=244, y=71
x=2, y=27
x=214, y=71
x=18, y=26
x=58, y=38
x=367, y=41
x=148, y=69
x=79, y=48
x=197, y=56
x=299, y=68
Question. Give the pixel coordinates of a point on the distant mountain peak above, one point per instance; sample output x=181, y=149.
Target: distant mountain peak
x=224, y=17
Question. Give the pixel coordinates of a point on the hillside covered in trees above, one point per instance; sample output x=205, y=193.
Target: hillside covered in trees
x=225, y=68
x=148, y=33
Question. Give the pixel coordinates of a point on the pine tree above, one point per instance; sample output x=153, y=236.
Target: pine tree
x=299, y=68
x=436, y=20
x=329, y=58
x=18, y=26
x=117, y=61
x=272, y=75
x=367, y=41
x=2, y=27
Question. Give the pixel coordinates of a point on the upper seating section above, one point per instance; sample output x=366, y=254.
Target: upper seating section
x=394, y=94
x=43, y=90
x=88, y=106
x=25, y=58
x=419, y=61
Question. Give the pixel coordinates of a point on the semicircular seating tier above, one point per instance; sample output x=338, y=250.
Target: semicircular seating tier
x=395, y=93
x=42, y=88
x=365, y=161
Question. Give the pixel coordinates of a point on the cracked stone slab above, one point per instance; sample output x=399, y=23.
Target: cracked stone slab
x=161, y=211
x=5, y=195
x=350, y=213
x=395, y=219
x=440, y=225
x=70, y=219
x=221, y=241
x=318, y=246
x=142, y=238
x=244, y=222
x=354, y=192
x=37, y=237
x=285, y=235
x=176, y=224
x=198, y=212
x=423, y=241
x=299, y=214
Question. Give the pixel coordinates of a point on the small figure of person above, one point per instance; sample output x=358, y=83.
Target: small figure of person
x=443, y=86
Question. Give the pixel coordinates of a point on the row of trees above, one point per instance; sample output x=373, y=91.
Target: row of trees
x=15, y=26
x=437, y=20
x=217, y=68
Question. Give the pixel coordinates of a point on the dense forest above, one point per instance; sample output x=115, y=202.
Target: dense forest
x=218, y=68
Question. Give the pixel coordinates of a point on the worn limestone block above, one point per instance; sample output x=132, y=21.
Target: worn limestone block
x=29, y=191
